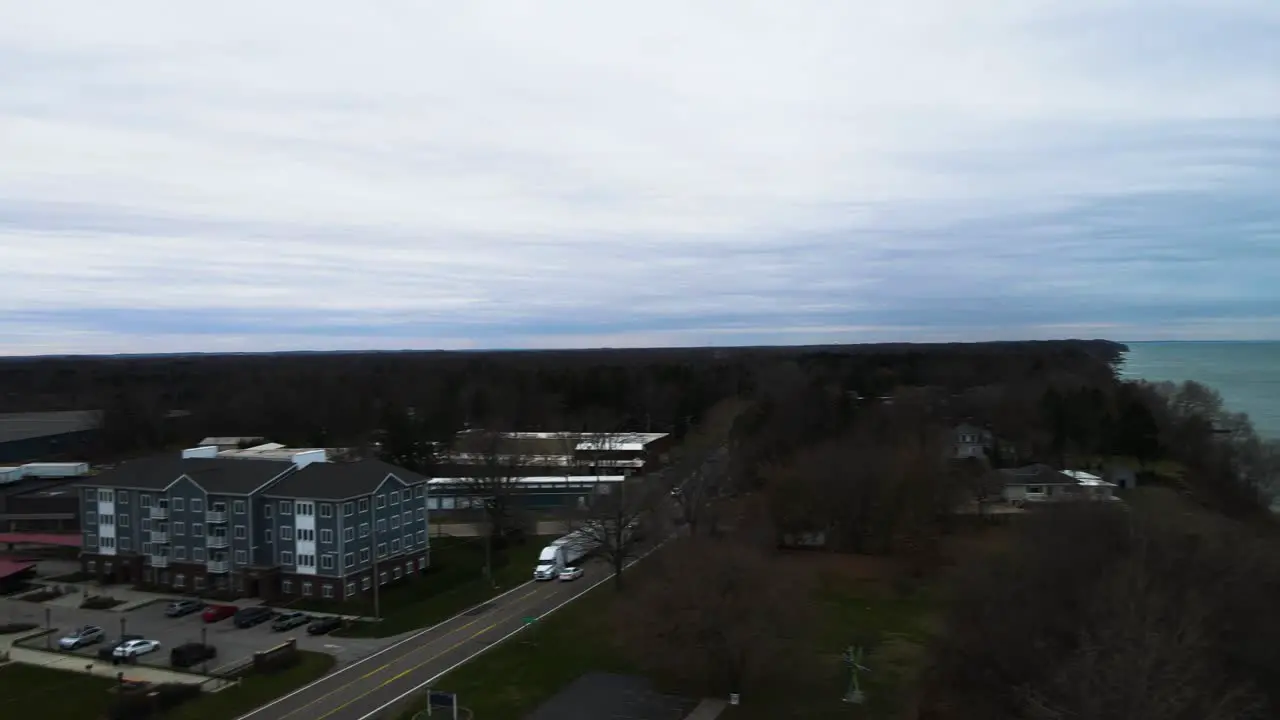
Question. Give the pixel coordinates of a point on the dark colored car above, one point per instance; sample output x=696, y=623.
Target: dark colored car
x=189, y=654
x=108, y=652
x=178, y=608
x=289, y=621
x=324, y=626
x=214, y=613
x=250, y=616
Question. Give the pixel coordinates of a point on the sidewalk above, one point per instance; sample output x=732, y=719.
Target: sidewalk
x=708, y=709
x=77, y=663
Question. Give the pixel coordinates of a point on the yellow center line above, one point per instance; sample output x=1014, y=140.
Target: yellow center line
x=405, y=656
x=436, y=656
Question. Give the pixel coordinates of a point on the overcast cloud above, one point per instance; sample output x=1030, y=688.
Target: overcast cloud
x=312, y=175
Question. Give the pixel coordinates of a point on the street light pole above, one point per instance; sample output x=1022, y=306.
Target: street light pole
x=377, y=607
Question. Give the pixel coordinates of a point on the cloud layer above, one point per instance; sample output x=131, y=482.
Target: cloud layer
x=314, y=175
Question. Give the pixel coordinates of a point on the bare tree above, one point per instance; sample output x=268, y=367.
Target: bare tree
x=715, y=609
x=699, y=468
x=620, y=515
x=493, y=470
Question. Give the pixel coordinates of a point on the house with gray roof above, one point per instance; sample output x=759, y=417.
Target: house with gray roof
x=301, y=526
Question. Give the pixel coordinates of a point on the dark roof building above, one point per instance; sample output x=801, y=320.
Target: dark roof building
x=28, y=436
x=341, y=481
x=216, y=476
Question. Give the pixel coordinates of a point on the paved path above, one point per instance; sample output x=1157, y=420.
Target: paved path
x=708, y=709
x=379, y=684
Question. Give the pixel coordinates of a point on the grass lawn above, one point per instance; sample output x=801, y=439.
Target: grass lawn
x=508, y=681
x=27, y=691
x=254, y=690
x=454, y=583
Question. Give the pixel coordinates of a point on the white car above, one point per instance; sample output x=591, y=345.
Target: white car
x=134, y=648
x=80, y=637
x=571, y=573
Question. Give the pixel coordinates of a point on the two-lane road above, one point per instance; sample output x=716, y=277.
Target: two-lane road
x=362, y=689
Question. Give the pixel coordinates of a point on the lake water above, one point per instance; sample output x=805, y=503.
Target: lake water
x=1246, y=374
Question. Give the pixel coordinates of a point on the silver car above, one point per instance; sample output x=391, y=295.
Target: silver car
x=80, y=637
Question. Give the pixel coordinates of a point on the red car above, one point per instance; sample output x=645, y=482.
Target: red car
x=214, y=613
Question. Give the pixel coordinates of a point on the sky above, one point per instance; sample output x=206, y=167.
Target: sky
x=395, y=174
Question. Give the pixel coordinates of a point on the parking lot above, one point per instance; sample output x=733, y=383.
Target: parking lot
x=234, y=645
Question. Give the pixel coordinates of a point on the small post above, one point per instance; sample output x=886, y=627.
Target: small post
x=122, y=626
x=430, y=701
x=48, y=625
x=455, y=706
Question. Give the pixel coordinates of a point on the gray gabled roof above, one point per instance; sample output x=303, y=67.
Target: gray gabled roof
x=340, y=481
x=217, y=476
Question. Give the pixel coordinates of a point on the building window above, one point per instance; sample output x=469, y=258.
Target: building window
x=348, y=508
x=395, y=546
x=199, y=582
x=106, y=519
x=305, y=508
x=286, y=586
x=326, y=537
x=197, y=505
x=380, y=502
x=364, y=530
x=268, y=534
x=365, y=583
x=286, y=507
x=326, y=562
x=180, y=552
x=197, y=554
x=382, y=525
x=408, y=567
x=242, y=557
x=144, y=500
x=349, y=560
x=146, y=524
x=146, y=548
x=395, y=521
x=179, y=580
x=364, y=505
x=422, y=563
x=1035, y=489
x=286, y=532
x=306, y=588
x=326, y=590
x=422, y=514
x=348, y=534
x=422, y=537
x=326, y=510
x=286, y=558
x=382, y=578
x=237, y=507
x=91, y=517
x=419, y=491
x=266, y=510
x=395, y=497
x=306, y=535
x=351, y=588
x=408, y=518
x=122, y=497
x=179, y=528
x=124, y=521
x=382, y=549
x=197, y=529
x=364, y=555
x=125, y=543
x=106, y=496
x=433, y=503
x=239, y=532
x=107, y=542
x=398, y=572
x=178, y=504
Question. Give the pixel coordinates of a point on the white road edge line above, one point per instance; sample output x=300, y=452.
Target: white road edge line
x=504, y=638
x=392, y=646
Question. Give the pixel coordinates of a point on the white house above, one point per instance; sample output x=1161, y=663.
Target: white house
x=970, y=441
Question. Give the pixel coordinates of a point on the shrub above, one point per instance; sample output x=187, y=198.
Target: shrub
x=11, y=628
x=99, y=602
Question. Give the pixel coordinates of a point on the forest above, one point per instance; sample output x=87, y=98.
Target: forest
x=1158, y=607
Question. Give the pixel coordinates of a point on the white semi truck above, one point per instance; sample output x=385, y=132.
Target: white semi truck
x=563, y=553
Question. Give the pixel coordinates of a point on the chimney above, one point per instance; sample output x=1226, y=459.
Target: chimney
x=204, y=451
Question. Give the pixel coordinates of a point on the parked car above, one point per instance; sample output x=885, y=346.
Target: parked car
x=290, y=620
x=189, y=654
x=134, y=648
x=214, y=613
x=109, y=651
x=324, y=626
x=178, y=608
x=250, y=616
x=571, y=573
x=82, y=636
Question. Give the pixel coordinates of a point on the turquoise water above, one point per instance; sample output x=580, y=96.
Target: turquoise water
x=1246, y=374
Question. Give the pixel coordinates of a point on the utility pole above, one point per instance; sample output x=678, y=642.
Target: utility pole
x=377, y=607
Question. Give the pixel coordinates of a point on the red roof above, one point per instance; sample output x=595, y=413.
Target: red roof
x=41, y=539
x=9, y=567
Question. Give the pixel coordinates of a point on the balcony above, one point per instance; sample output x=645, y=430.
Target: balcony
x=214, y=517
x=159, y=537
x=159, y=512
x=160, y=561
x=218, y=566
x=218, y=541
